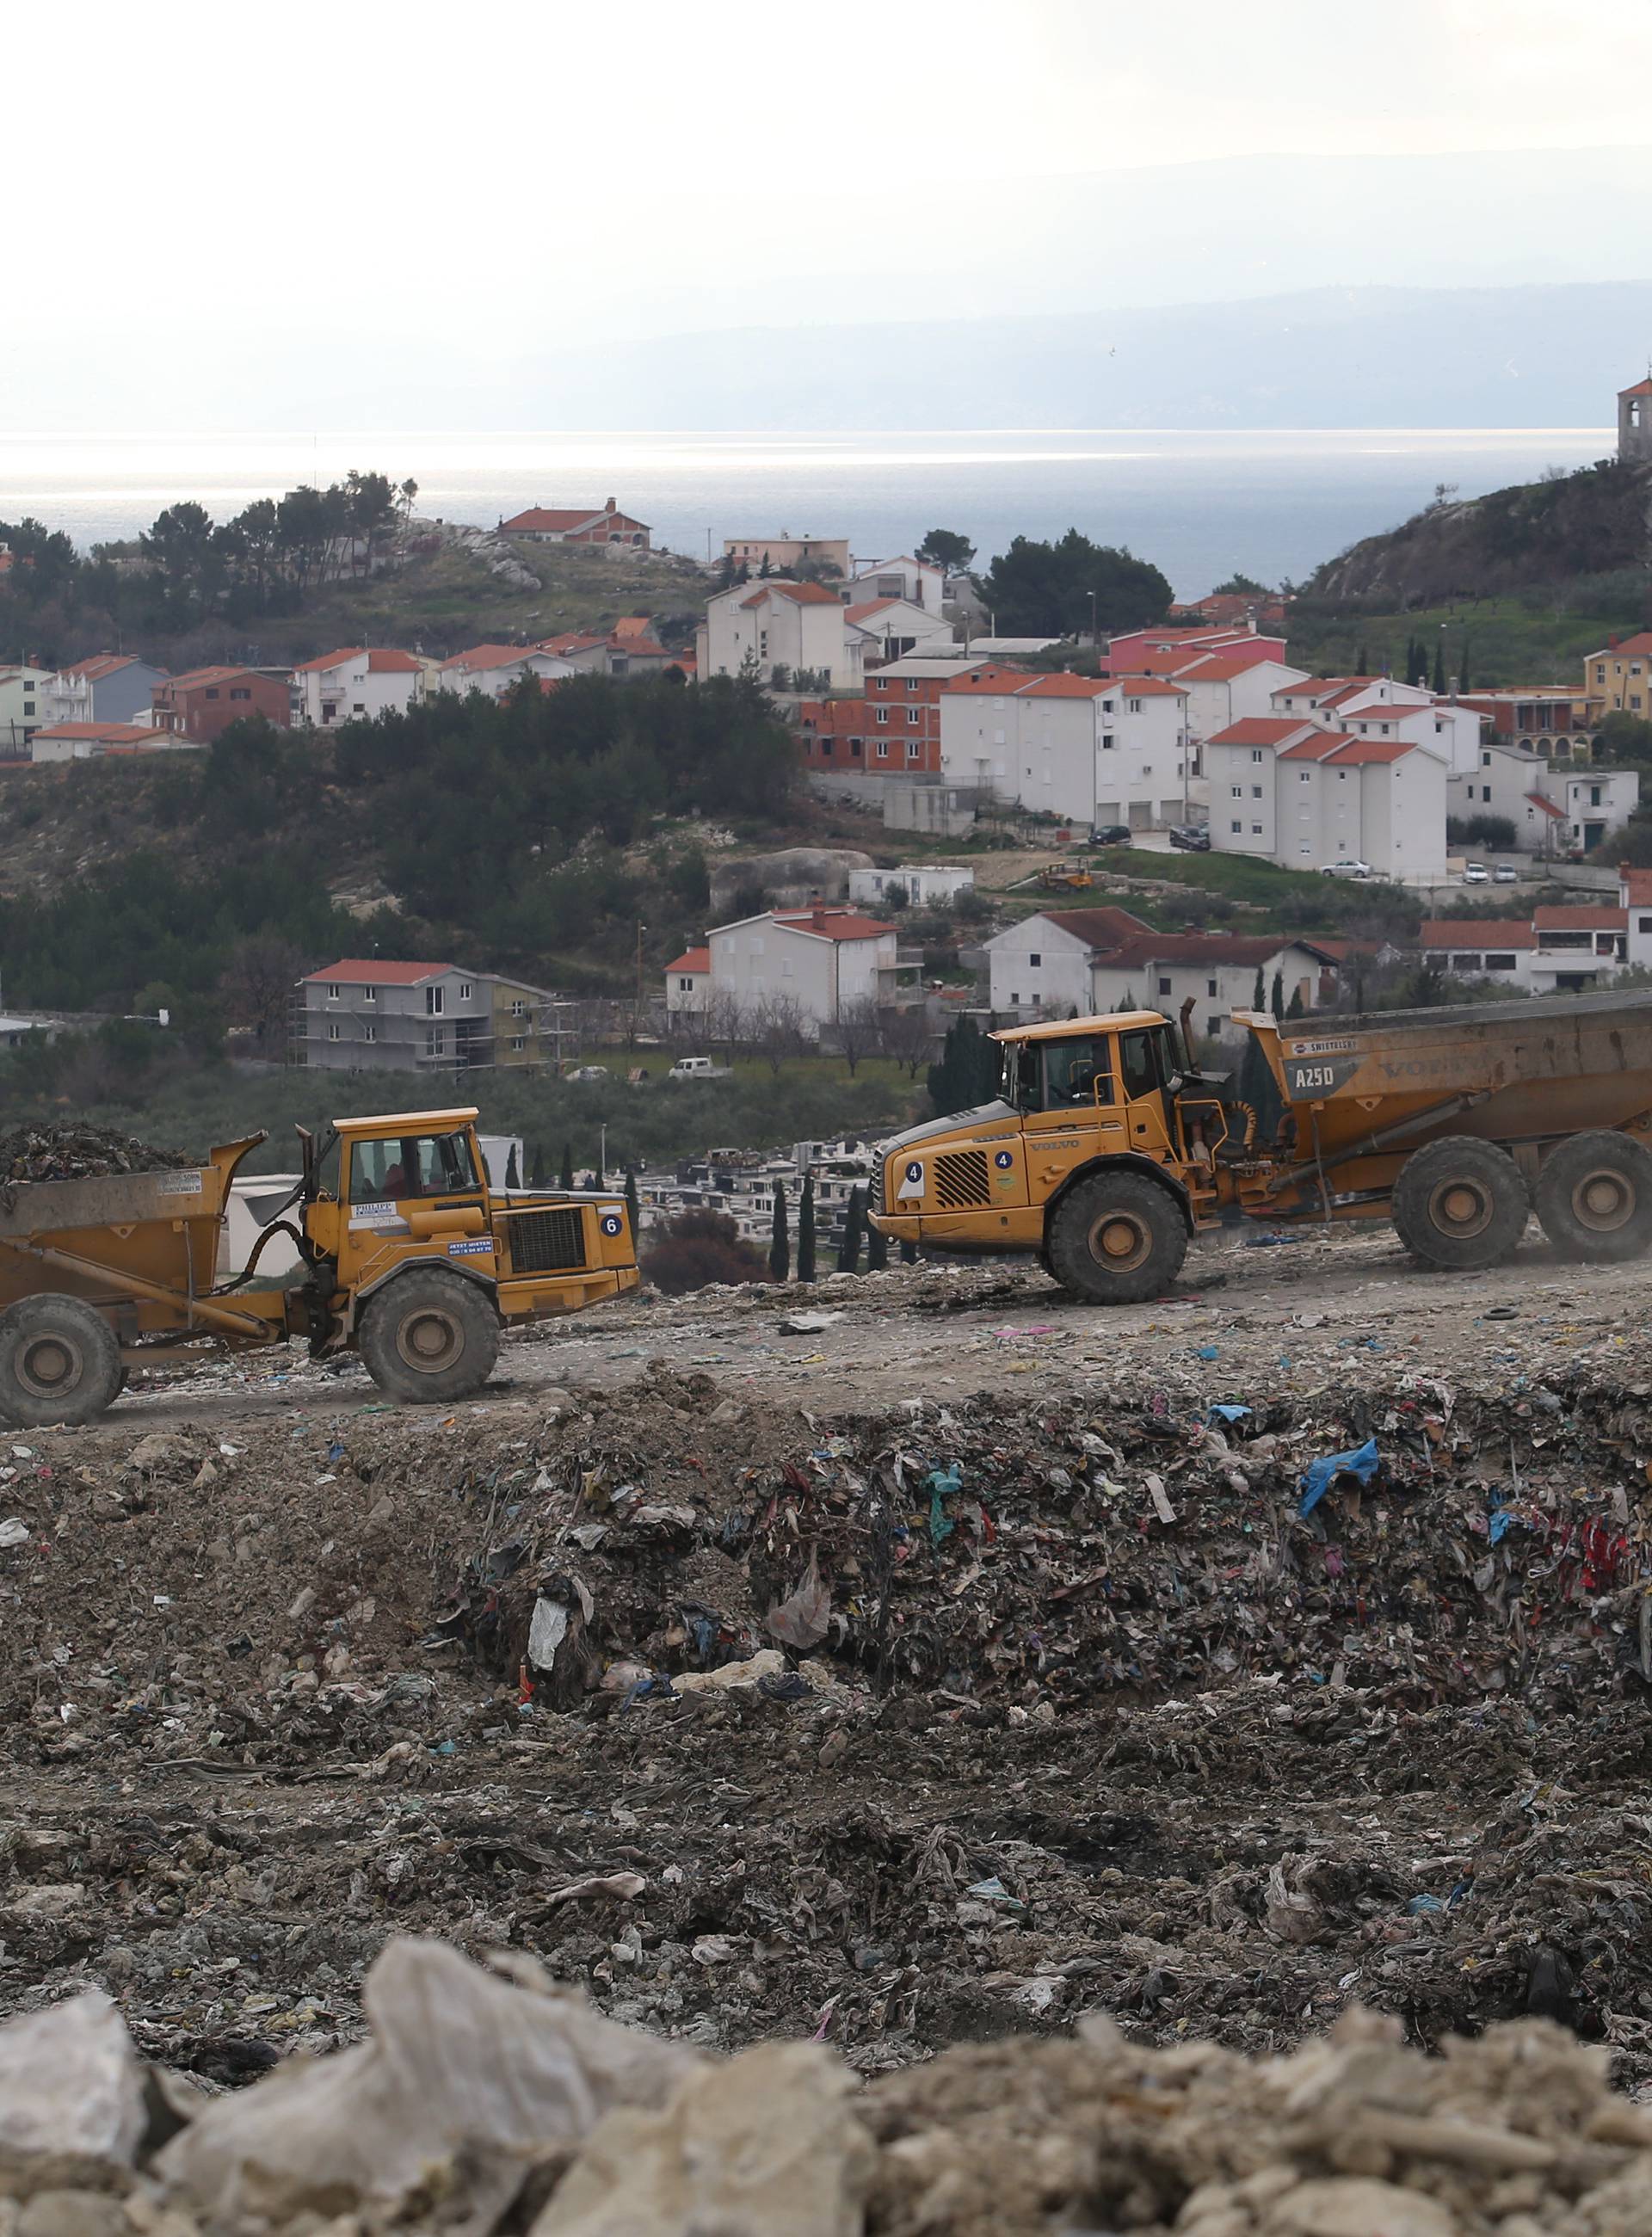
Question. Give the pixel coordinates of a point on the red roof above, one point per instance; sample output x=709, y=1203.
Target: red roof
x=382, y=660
x=193, y=678
x=1064, y=687
x=800, y=594
x=100, y=665
x=692, y=959
x=1640, y=643
x=832, y=923
x=1261, y=731
x=569, y=643
x=1365, y=753
x=634, y=625
x=1150, y=687
x=1580, y=919
x=993, y=680
x=872, y=606
x=354, y=971
x=1538, y=800
x=1471, y=932
x=1636, y=885
x=549, y=519
x=1222, y=667
x=1104, y=927
x=123, y=734
x=1318, y=745
x=490, y=656
x=1641, y=388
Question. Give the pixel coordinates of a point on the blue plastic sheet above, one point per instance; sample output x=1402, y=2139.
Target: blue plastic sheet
x=1230, y=1413
x=942, y=1483
x=1363, y=1462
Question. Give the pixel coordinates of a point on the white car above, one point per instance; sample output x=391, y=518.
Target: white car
x=1505, y=874
x=1351, y=868
x=698, y=1067
x=1476, y=873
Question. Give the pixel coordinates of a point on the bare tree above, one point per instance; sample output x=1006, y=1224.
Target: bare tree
x=857, y=1030
x=690, y=1029
x=781, y=1029
x=731, y=1024
x=905, y=1035
x=257, y=987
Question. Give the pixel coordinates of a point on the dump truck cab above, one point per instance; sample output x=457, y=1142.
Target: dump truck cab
x=1101, y=1155
x=418, y=1261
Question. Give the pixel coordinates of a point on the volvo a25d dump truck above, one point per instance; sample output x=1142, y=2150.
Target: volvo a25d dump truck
x=1108, y=1149
x=408, y=1257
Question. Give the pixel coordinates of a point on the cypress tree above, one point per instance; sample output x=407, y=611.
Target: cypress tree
x=1462, y=682
x=1277, y=998
x=512, y=1178
x=1259, y=992
x=1293, y=1008
x=536, y=1167
x=1439, y=669
x=567, y=1166
x=633, y=1208
x=806, y=1231
x=878, y=1249
x=849, y=1251
x=779, y=1239
x=1362, y=662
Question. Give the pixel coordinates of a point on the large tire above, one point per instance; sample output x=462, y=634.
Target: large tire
x=59, y=1362
x=429, y=1337
x=1595, y=1197
x=1461, y=1204
x=1116, y=1239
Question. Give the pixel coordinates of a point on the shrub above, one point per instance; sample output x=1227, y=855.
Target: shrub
x=697, y=1248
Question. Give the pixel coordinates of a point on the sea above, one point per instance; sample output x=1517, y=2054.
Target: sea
x=1199, y=503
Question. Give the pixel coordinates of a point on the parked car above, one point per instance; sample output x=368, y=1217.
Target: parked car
x=1505, y=874
x=1350, y=867
x=697, y=1067
x=1110, y=835
x=588, y=1071
x=1192, y=838
x=1476, y=873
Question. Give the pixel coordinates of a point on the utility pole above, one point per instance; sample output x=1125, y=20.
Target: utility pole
x=637, y=1026
x=602, y=1154
x=1096, y=636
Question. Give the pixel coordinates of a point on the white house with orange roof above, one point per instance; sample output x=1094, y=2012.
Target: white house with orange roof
x=578, y=523
x=493, y=669
x=817, y=961
x=897, y=628
x=1089, y=749
x=1306, y=797
x=688, y=983
x=1378, y=707
x=355, y=684
x=912, y=580
x=780, y=625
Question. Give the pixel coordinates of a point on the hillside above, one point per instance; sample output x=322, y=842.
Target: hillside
x=1564, y=533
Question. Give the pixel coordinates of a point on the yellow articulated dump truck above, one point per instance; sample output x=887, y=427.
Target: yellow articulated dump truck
x=409, y=1258
x=1107, y=1148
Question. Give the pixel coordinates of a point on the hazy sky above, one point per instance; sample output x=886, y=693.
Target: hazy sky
x=231, y=192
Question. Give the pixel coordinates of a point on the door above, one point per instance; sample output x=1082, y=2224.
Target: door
x=1078, y=1116
x=1147, y=1060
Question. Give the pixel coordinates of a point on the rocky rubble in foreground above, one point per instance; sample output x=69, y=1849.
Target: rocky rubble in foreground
x=481, y=2103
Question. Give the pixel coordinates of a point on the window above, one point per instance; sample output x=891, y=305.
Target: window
x=1594, y=795
x=685, y=985
x=1075, y=1072
x=1034, y=962
x=333, y=992
x=915, y=750
x=1499, y=962
x=914, y=717
x=1236, y=827
x=1256, y=792
x=785, y=967
x=1215, y=1024
x=518, y=1007
x=1238, y=792
x=239, y=691
x=358, y=707
x=1106, y=741
x=1600, y=672
x=211, y=691
x=434, y=1000
x=1210, y=986
x=1256, y=753
x=436, y=1040
x=519, y=1042
x=1643, y=924
x=882, y=715
x=1134, y=706
x=882, y=750
x=1304, y=776
x=464, y=990
x=411, y=1165
x=1164, y=986
x=335, y=1030
x=369, y=1032
x=854, y=749
x=912, y=684
x=756, y=943
x=1256, y=830
x=881, y=684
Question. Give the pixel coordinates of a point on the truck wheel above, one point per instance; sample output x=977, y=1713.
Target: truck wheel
x=59, y=1362
x=1460, y=1204
x=1595, y=1197
x=430, y=1337
x=1116, y=1239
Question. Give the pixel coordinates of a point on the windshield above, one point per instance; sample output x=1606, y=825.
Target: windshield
x=410, y=1164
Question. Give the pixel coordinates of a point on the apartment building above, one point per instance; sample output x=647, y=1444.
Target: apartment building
x=366, y=1014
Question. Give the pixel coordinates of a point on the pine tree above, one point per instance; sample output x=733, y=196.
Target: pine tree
x=806, y=1231
x=536, y=1166
x=1439, y=669
x=878, y=1249
x=849, y=1251
x=633, y=1208
x=1362, y=662
x=1277, y=998
x=1259, y=992
x=567, y=1166
x=779, y=1239
x=967, y=1075
x=1294, y=1008
x=512, y=1178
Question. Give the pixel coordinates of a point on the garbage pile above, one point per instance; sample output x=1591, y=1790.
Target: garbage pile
x=488, y=2101
x=80, y=1153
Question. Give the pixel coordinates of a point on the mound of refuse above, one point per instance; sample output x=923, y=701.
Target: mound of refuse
x=490, y=2099
x=75, y=1152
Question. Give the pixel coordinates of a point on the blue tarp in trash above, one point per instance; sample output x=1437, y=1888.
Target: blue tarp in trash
x=1230, y=1413
x=1363, y=1462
